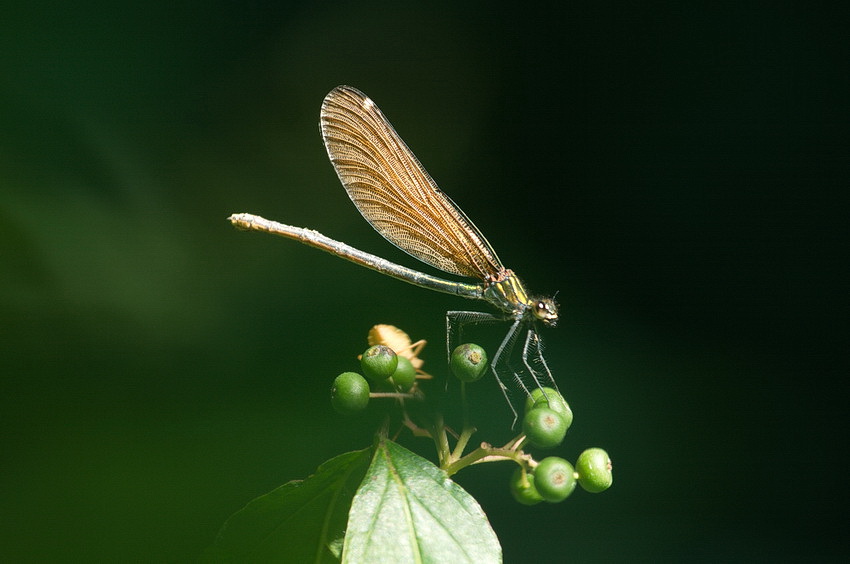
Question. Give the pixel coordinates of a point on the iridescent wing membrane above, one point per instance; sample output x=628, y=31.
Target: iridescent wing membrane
x=393, y=191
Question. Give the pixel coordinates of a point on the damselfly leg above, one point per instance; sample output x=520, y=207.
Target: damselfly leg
x=536, y=374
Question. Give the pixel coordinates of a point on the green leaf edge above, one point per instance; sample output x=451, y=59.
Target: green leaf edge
x=226, y=547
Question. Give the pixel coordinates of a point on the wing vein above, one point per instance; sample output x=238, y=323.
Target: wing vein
x=394, y=193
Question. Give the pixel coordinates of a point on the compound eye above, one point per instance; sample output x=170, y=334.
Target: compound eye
x=546, y=310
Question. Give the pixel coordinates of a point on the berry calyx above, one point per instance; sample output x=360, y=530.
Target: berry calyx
x=554, y=479
x=544, y=427
x=379, y=363
x=468, y=362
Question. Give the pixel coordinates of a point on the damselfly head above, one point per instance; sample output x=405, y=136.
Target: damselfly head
x=546, y=310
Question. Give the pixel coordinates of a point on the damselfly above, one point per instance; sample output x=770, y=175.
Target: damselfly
x=402, y=202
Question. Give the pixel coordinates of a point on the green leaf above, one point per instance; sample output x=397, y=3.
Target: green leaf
x=301, y=521
x=408, y=510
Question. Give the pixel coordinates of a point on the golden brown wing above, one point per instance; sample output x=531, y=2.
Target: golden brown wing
x=394, y=192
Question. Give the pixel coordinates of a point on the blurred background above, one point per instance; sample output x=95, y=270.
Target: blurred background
x=672, y=170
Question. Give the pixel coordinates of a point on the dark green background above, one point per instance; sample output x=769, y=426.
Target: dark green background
x=673, y=169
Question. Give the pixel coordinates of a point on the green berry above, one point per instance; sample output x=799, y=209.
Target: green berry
x=468, y=362
x=554, y=479
x=538, y=393
x=594, y=470
x=350, y=393
x=404, y=375
x=523, y=489
x=556, y=402
x=544, y=427
x=379, y=363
